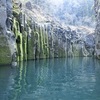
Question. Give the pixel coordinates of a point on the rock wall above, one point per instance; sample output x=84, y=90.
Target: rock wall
x=26, y=34
x=97, y=30
x=6, y=36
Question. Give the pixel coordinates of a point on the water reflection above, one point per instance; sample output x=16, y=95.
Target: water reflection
x=54, y=79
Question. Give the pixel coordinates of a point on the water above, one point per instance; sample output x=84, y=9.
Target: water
x=58, y=79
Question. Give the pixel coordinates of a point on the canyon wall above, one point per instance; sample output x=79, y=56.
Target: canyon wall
x=97, y=30
x=7, y=42
x=26, y=33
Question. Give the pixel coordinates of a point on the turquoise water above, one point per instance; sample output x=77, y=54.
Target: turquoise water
x=54, y=79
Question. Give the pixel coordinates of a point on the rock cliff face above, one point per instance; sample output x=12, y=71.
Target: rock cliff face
x=97, y=30
x=27, y=33
x=6, y=36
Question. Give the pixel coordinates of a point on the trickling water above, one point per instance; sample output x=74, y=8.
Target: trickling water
x=58, y=79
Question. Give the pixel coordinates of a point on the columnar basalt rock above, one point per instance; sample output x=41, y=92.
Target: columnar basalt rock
x=31, y=35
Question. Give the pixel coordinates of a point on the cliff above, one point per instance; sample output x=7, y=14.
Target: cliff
x=7, y=42
x=26, y=32
x=97, y=30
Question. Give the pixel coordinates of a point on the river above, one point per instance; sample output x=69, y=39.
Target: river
x=51, y=79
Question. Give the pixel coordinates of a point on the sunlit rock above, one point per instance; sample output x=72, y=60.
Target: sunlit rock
x=31, y=34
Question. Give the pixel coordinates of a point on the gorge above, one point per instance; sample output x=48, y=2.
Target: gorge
x=49, y=49
x=26, y=32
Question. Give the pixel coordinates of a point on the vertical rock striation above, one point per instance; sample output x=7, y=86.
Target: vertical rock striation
x=97, y=30
x=6, y=36
x=26, y=33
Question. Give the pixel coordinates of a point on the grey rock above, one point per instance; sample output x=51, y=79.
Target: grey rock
x=29, y=5
x=97, y=30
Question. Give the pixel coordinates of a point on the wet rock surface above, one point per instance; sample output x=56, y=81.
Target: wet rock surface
x=31, y=34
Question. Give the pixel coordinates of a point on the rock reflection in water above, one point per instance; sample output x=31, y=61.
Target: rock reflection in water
x=55, y=79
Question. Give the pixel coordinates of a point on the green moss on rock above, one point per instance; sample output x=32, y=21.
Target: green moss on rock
x=76, y=50
x=25, y=46
x=19, y=39
x=20, y=48
x=5, y=53
x=41, y=44
x=30, y=44
x=37, y=51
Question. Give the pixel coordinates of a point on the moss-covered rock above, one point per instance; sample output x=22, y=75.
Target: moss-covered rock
x=30, y=44
x=42, y=55
x=20, y=47
x=5, y=53
x=24, y=46
x=37, y=51
x=19, y=39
